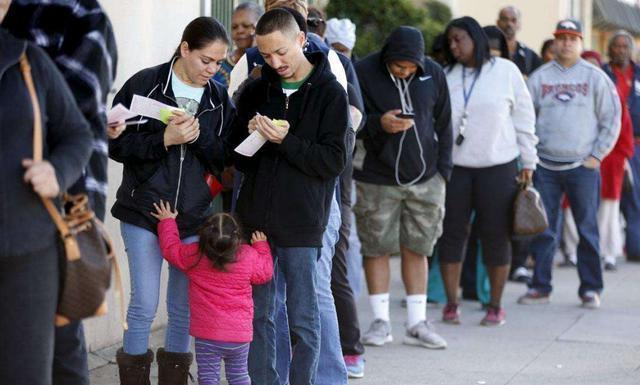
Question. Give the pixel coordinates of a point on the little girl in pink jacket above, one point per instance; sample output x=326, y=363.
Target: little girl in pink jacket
x=221, y=271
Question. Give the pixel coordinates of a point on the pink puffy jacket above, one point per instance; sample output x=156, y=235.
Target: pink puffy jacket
x=220, y=301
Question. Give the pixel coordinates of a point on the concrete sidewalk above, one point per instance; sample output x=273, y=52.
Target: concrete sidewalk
x=555, y=344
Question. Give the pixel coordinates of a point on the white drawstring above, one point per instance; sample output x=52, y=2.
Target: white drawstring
x=407, y=107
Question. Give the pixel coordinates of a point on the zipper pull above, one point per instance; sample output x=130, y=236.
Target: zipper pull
x=286, y=105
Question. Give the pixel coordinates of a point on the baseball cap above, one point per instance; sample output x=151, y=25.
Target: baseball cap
x=568, y=26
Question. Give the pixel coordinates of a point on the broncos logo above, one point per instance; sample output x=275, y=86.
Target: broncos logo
x=564, y=96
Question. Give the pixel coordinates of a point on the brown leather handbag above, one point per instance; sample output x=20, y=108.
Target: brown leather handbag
x=86, y=276
x=530, y=217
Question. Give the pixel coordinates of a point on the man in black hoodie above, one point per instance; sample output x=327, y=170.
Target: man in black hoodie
x=289, y=183
x=401, y=164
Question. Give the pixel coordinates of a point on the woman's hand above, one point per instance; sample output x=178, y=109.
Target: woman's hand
x=526, y=176
x=181, y=128
x=163, y=211
x=258, y=236
x=42, y=177
x=114, y=131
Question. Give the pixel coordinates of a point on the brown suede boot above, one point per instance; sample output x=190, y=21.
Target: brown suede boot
x=173, y=368
x=134, y=369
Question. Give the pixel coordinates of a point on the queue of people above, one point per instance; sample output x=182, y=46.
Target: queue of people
x=432, y=149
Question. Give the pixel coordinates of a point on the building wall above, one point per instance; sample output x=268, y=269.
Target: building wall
x=538, y=17
x=147, y=32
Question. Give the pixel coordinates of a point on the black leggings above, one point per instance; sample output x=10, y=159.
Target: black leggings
x=489, y=192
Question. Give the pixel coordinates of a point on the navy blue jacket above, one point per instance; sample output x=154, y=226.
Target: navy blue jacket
x=634, y=96
x=430, y=96
x=25, y=225
x=177, y=174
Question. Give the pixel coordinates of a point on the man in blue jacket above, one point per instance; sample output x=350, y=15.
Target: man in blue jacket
x=401, y=166
x=622, y=69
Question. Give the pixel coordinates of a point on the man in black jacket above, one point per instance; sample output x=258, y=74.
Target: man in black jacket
x=289, y=183
x=509, y=21
x=524, y=57
x=401, y=164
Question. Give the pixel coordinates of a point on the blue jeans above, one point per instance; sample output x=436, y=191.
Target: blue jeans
x=630, y=205
x=145, y=265
x=582, y=186
x=331, y=367
x=297, y=268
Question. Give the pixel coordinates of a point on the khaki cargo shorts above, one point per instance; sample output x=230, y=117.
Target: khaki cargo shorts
x=392, y=216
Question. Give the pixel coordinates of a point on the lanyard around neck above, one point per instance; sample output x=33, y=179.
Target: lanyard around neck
x=467, y=95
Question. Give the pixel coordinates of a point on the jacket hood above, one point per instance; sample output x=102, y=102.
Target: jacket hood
x=10, y=50
x=320, y=75
x=404, y=43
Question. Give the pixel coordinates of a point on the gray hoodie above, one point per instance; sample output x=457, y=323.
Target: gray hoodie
x=578, y=112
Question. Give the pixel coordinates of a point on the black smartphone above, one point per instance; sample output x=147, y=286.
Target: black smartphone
x=406, y=115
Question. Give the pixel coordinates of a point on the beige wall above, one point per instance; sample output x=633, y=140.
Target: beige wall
x=539, y=17
x=147, y=32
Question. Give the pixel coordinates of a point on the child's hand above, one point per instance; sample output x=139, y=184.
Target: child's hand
x=164, y=211
x=258, y=236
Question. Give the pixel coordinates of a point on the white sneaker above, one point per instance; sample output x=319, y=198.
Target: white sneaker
x=590, y=299
x=379, y=333
x=424, y=334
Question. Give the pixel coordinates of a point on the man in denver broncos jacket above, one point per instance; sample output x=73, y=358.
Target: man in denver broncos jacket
x=578, y=123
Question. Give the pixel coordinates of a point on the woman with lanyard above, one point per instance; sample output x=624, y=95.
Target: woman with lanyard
x=168, y=161
x=493, y=124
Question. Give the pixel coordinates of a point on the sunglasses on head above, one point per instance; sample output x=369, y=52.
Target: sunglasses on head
x=314, y=21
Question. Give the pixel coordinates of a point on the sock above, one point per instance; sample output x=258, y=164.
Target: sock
x=380, y=306
x=416, y=309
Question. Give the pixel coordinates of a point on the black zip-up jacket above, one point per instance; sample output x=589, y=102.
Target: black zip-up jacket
x=526, y=59
x=25, y=225
x=287, y=188
x=177, y=174
x=430, y=95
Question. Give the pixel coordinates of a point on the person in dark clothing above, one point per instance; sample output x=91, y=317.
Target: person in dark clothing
x=168, y=162
x=497, y=41
x=547, y=51
x=316, y=21
x=509, y=21
x=437, y=50
x=346, y=311
x=332, y=362
x=288, y=185
x=402, y=163
x=29, y=254
x=625, y=73
x=75, y=41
